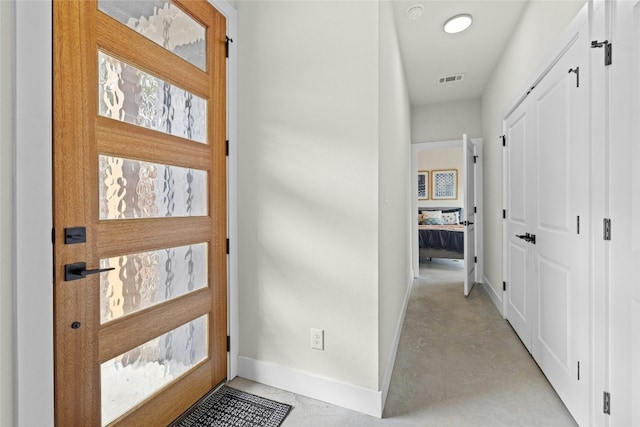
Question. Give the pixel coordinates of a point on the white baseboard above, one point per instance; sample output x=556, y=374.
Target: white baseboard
x=350, y=396
x=328, y=390
x=497, y=300
x=386, y=380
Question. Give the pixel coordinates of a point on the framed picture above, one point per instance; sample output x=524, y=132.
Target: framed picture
x=444, y=184
x=423, y=185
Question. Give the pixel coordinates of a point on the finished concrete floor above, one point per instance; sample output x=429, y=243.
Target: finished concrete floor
x=458, y=364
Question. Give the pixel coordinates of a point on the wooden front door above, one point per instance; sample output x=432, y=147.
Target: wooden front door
x=140, y=209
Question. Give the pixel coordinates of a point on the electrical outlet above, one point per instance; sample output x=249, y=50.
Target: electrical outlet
x=317, y=338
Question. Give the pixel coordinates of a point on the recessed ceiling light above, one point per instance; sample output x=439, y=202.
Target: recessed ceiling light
x=415, y=12
x=458, y=23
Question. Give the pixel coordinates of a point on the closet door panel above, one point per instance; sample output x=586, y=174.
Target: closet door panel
x=519, y=295
x=560, y=252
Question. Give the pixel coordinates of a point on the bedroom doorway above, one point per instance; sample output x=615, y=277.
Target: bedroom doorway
x=440, y=189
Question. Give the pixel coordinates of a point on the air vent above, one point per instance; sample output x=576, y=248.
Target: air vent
x=451, y=79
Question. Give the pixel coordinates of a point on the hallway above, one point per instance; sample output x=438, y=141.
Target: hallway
x=458, y=364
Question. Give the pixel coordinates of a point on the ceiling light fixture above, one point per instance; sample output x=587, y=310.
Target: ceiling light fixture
x=458, y=23
x=415, y=12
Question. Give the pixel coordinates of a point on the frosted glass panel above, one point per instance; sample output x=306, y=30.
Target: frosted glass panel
x=137, y=189
x=164, y=23
x=125, y=93
x=132, y=377
x=146, y=279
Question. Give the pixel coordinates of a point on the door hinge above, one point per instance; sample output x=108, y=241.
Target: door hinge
x=475, y=159
x=53, y=236
x=607, y=50
x=607, y=229
x=607, y=403
x=578, y=224
x=504, y=140
x=228, y=246
x=229, y=40
x=475, y=209
x=475, y=259
x=504, y=214
x=578, y=370
x=227, y=148
x=228, y=343
x=504, y=286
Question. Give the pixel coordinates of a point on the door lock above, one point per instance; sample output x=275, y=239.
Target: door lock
x=79, y=270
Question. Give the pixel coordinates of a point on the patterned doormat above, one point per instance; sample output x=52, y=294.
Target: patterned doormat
x=228, y=407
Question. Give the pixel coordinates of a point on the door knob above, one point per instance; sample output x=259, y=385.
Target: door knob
x=79, y=270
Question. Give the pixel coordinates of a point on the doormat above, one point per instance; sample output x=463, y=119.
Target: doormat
x=228, y=407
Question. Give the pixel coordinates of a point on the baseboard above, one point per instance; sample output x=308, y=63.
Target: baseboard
x=497, y=300
x=386, y=380
x=328, y=390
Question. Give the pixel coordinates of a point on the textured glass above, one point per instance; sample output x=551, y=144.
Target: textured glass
x=164, y=23
x=137, y=189
x=132, y=377
x=145, y=279
x=133, y=96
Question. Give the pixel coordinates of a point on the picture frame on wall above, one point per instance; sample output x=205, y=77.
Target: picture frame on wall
x=444, y=184
x=423, y=185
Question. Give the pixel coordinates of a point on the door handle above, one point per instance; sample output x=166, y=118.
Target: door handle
x=79, y=270
x=467, y=223
x=531, y=238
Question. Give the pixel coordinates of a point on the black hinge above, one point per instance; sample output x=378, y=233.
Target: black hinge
x=228, y=343
x=227, y=148
x=53, y=236
x=227, y=246
x=578, y=224
x=578, y=370
x=606, y=229
x=607, y=50
x=504, y=214
x=607, y=403
x=229, y=40
x=475, y=209
x=504, y=140
x=475, y=259
x=504, y=286
x=475, y=159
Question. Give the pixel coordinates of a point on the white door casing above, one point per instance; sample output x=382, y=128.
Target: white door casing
x=468, y=153
x=624, y=211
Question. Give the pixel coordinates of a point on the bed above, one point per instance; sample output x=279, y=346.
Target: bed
x=440, y=234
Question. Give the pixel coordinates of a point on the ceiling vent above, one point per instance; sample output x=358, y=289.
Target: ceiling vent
x=451, y=79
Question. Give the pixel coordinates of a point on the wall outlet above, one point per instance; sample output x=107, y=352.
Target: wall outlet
x=317, y=338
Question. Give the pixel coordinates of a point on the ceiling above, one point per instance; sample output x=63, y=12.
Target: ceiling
x=429, y=53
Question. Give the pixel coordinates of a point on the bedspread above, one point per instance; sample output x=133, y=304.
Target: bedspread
x=448, y=237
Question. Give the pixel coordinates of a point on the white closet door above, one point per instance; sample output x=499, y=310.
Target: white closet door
x=468, y=152
x=519, y=205
x=624, y=196
x=561, y=252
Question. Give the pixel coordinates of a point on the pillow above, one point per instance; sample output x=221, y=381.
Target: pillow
x=449, y=218
x=432, y=217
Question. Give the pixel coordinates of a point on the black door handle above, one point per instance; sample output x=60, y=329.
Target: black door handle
x=79, y=270
x=531, y=238
x=467, y=223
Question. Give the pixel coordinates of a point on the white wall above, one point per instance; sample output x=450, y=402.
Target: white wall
x=394, y=193
x=446, y=121
x=539, y=28
x=6, y=209
x=308, y=186
x=438, y=159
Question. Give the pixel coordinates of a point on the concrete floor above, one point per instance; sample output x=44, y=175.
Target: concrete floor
x=458, y=364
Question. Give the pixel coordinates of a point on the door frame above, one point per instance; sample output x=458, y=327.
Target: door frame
x=438, y=145
x=33, y=216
